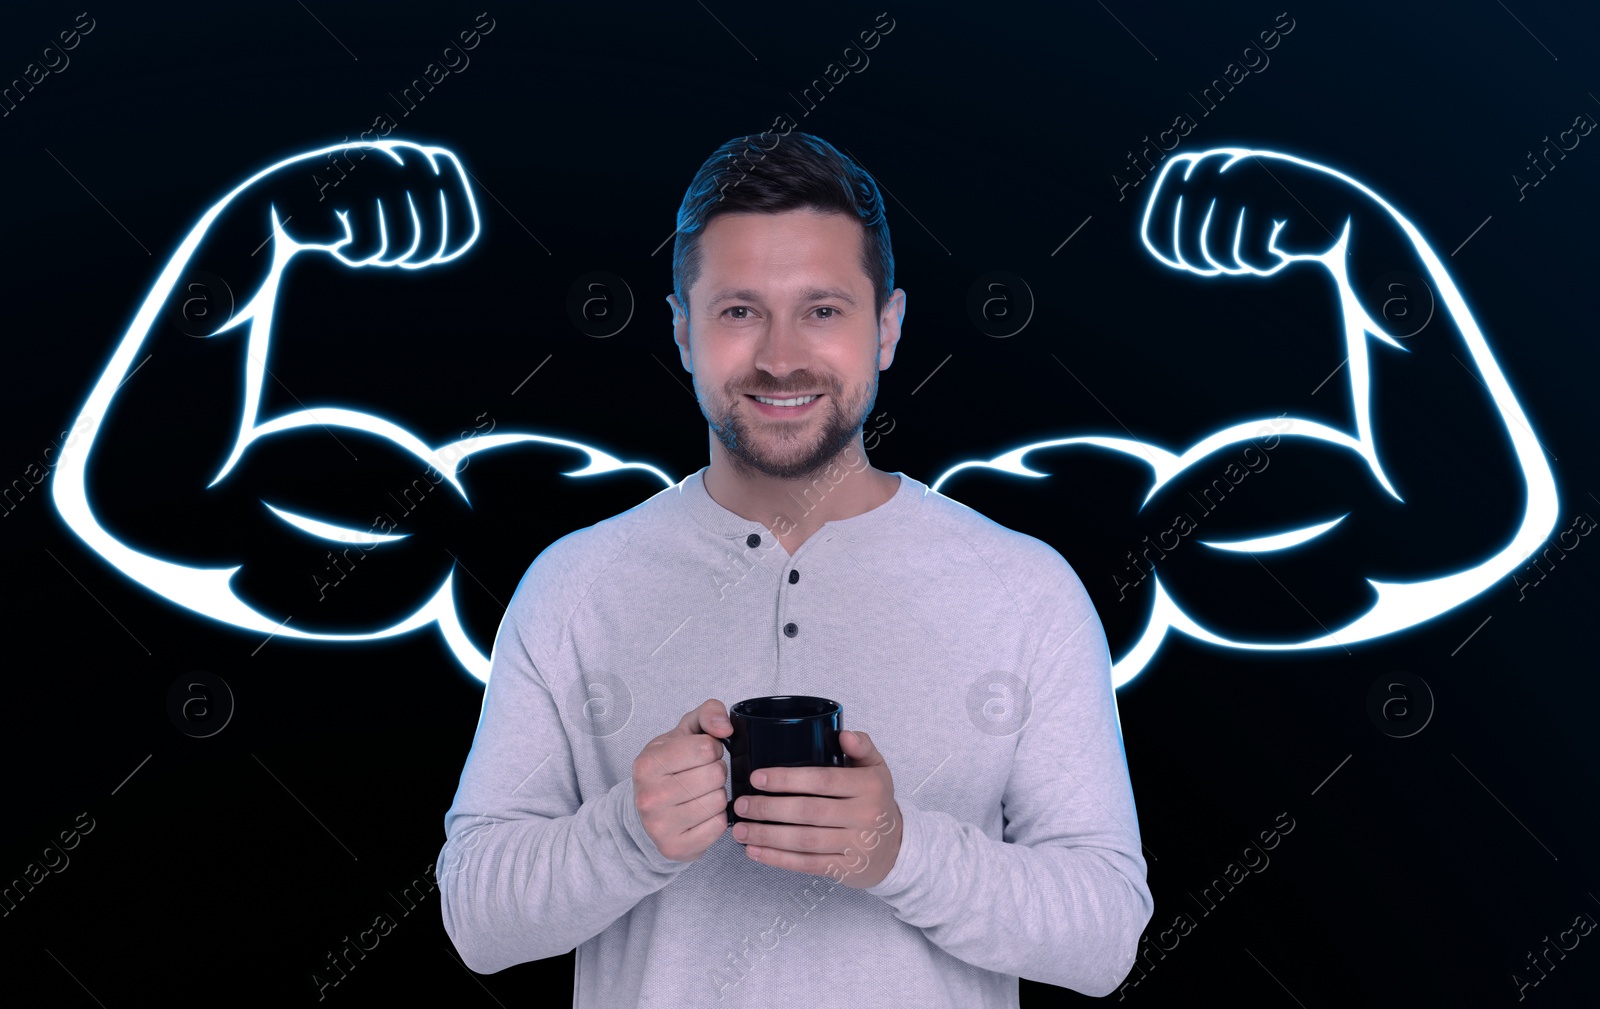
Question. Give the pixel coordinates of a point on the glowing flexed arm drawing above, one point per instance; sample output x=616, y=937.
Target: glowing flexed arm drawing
x=1222, y=239
x=397, y=218
x=418, y=210
x=1202, y=217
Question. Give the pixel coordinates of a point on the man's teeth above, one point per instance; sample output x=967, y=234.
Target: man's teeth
x=786, y=402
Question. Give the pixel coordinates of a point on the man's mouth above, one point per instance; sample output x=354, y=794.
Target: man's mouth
x=779, y=406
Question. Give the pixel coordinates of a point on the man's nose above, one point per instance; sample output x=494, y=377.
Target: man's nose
x=783, y=348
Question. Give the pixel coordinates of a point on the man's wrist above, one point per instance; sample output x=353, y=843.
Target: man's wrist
x=903, y=873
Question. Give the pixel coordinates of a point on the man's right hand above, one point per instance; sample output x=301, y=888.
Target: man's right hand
x=679, y=780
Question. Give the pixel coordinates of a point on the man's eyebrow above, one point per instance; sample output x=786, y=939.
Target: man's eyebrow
x=742, y=294
x=828, y=294
x=810, y=294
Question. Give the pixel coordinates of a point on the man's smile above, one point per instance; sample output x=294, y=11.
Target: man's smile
x=788, y=406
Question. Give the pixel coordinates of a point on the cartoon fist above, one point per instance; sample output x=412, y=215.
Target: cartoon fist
x=400, y=204
x=1236, y=211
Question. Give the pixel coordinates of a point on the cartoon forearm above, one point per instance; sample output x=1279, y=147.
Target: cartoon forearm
x=1206, y=216
x=412, y=209
x=1239, y=215
x=405, y=206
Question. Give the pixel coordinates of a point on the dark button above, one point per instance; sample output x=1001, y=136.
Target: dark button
x=794, y=576
x=752, y=540
x=791, y=629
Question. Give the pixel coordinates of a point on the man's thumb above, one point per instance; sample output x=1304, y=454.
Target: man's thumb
x=858, y=747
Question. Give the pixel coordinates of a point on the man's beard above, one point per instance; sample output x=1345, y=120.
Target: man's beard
x=842, y=422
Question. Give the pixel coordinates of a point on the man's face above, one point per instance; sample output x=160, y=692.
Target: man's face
x=782, y=308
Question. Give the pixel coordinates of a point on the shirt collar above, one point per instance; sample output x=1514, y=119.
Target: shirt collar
x=719, y=520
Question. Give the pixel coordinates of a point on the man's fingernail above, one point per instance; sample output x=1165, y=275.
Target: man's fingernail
x=758, y=778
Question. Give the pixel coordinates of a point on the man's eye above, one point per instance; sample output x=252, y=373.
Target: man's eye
x=736, y=308
x=830, y=310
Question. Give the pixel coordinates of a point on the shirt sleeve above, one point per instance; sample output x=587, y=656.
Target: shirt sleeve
x=526, y=871
x=1062, y=899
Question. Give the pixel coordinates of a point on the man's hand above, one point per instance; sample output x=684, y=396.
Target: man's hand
x=679, y=784
x=845, y=825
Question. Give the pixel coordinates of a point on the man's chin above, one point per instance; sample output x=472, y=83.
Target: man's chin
x=791, y=469
x=768, y=468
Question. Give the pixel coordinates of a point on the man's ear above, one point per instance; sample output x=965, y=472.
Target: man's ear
x=680, y=331
x=894, y=313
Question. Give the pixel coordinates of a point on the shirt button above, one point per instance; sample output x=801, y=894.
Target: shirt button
x=791, y=629
x=794, y=576
x=752, y=540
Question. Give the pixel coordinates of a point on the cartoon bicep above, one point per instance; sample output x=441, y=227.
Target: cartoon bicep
x=1276, y=540
x=346, y=532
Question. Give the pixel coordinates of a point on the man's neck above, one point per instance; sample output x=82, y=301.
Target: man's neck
x=794, y=509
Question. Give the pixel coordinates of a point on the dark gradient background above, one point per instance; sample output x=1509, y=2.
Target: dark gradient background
x=1436, y=841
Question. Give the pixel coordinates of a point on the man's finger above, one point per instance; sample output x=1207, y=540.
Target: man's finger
x=671, y=754
x=797, y=810
x=710, y=717
x=837, y=782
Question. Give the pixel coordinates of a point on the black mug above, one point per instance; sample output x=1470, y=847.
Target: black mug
x=786, y=731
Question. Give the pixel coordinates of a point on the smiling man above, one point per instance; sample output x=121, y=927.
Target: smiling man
x=789, y=332
x=592, y=811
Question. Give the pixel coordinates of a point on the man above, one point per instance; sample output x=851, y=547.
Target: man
x=967, y=657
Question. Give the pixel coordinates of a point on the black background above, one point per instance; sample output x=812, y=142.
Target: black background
x=1420, y=869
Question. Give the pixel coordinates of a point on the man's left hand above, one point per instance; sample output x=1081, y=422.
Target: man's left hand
x=844, y=824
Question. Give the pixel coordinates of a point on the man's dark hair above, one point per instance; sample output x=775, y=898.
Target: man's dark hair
x=792, y=171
